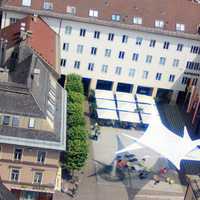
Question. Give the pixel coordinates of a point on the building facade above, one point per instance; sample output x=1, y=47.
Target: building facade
x=32, y=110
x=149, y=50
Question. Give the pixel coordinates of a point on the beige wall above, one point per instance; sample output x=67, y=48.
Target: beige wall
x=28, y=166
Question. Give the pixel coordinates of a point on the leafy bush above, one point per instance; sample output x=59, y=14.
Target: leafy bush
x=75, y=97
x=74, y=83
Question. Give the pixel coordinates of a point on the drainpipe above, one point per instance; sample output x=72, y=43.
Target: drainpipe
x=196, y=111
x=1, y=51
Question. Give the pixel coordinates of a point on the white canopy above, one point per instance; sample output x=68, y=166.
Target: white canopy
x=107, y=114
x=126, y=106
x=129, y=117
x=104, y=103
x=121, y=96
x=162, y=140
x=104, y=94
x=146, y=118
x=145, y=99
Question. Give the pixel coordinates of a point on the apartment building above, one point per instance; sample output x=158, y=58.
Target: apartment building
x=32, y=109
x=143, y=46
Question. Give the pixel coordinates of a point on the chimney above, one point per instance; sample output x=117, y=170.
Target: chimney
x=35, y=16
x=23, y=31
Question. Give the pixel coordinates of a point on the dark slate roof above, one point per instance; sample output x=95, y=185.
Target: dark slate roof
x=29, y=133
x=15, y=101
x=5, y=194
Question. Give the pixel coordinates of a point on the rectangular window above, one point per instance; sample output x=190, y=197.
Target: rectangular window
x=6, y=120
x=82, y=32
x=14, y=175
x=138, y=40
x=104, y=68
x=93, y=51
x=121, y=55
x=48, y=5
x=175, y=62
x=135, y=57
x=66, y=46
x=111, y=36
x=18, y=154
x=179, y=47
x=137, y=20
x=13, y=20
x=37, y=178
x=31, y=123
x=63, y=62
x=166, y=45
x=194, y=81
x=152, y=43
x=148, y=59
x=171, y=78
x=118, y=70
x=124, y=38
x=162, y=60
x=76, y=64
x=184, y=80
x=41, y=156
x=158, y=76
x=131, y=72
x=71, y=10
x=107, y=52
x=180, y=27
x=116, y=18
x=15, y=121
x=159, y=23
x=93, y=13
x=195, y=49
x=145, y=74
x=26, y=2
x=68, y=30
x=79, y=49
x=96, y=34
x=90, y=66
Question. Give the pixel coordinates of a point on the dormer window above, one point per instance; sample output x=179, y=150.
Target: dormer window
x=159, y=24
x=26, y=3
x=137, y=20
x=93, y=13
x=180, y=27
x=116, y=18
x=48, y=5
x=71, y=10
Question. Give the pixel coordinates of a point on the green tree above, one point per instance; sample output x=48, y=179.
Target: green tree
x=75, y=97
x=74, y=108
x=77, y=133
x=75, y=120
x=74, y=83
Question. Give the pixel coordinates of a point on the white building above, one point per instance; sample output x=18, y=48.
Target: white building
x=141, y=46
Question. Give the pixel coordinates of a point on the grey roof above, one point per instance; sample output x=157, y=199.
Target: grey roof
x=5, y=194
x=19, y=103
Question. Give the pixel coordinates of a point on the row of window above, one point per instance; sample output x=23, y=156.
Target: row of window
x=138, y=41
x=41, y=155
x=193, y=65
x=48, y=5
x=135, y=57
x=14, y=121
x=15, y=176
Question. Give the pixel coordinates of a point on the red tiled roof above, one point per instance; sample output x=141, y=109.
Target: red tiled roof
x=42, y=40
x=171, y=11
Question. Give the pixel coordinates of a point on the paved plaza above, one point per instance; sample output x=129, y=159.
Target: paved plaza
x=93, y=186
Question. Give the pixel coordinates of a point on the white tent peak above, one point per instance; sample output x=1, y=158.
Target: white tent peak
x=163, y=141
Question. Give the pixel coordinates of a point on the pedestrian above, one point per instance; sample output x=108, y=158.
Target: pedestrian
x=156, y=179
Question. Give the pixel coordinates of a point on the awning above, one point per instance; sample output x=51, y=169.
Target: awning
x=146, y=118
x=126, y=106
x=104, y=103
x=107, y=114
x=129, y=117
x=146, y=108
x=104, y=94
x=121, y=96
x=145, y=99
